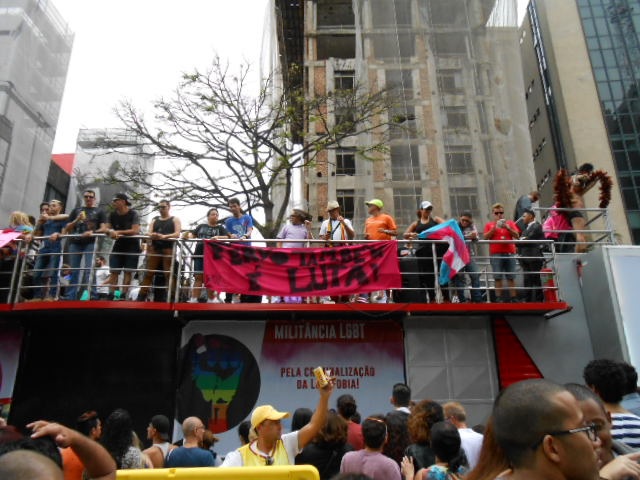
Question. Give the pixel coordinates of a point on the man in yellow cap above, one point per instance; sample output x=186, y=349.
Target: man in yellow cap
x=271, y=446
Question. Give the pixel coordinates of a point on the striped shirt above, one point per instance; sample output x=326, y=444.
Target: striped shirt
x=626, y=429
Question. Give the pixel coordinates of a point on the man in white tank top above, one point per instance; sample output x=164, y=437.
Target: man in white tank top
x=158, y=432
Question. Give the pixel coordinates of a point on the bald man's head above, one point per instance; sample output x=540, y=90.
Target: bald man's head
x=28, y=465
x=191, y=426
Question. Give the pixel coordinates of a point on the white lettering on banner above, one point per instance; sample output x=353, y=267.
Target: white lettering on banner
x=321, y=331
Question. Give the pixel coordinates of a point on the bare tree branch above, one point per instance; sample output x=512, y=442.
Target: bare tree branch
x=228, y=144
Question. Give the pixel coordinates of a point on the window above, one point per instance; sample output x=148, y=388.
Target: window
x=404, y=122
x=450, y=81
x=385, y=13
x=346, y=200
x=405, y=205
x=458, y=158
x=401, y=81
x=344, y=79
x=335, y=13
x=450, y=43
x=444, y=12
x=346, y=162
x=465, y=198
x=345, y=121
x=456, y=117
x=336, y=46
x=630, y=198
x=402, y=46
x=405, y=163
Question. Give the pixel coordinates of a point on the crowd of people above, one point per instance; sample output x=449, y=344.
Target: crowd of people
x=136, y=265
x=537, y=429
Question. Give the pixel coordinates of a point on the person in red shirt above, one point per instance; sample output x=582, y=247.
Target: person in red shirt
x=347, y=408
x=503, y=254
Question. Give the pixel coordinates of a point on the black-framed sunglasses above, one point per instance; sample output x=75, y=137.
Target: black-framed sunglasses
x=591, y=430
x=498, y=213
x=89, y=196
x=268, y=461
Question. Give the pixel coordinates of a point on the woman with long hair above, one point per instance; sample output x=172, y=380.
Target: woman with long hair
x=117, y=438
x=423, y=416
x=326, y=450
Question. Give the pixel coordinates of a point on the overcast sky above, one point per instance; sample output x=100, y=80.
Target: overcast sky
x=136, y=49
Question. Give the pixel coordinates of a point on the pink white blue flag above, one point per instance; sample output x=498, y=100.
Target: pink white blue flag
x=457, y=255
x=8, y=236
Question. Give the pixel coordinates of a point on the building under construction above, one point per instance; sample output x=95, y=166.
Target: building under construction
x=462, y=140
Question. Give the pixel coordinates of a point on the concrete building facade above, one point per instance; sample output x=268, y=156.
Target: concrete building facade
x=35, y=47
x=461, y=133
x=101, y=152
x=582, y=99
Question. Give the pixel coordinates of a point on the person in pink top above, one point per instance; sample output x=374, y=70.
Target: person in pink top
x=503, y=254
x=347, y=408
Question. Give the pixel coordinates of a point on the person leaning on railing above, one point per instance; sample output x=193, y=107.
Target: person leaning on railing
x=84, y=221
x=122, y=224
x=336, y=227
x=424, y=250
x=19, y=223
x=210, y=230
x=163, y=229
x=378, y=226
x=48, y=260
x=470, y=232
x=503, y=261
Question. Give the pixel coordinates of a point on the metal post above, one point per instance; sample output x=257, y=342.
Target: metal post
x=24, y=261
x=11, y=294
x=436, y=291
x=177, y=285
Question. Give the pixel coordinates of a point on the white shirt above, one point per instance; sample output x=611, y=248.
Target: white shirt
x=290, y=441
x=471, y=442
x=336, y=229
x=102, y=274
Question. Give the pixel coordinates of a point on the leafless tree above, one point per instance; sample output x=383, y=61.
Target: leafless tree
x=224, y=143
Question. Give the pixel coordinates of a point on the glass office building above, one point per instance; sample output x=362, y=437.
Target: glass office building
x=35, y=48
x=611, y=32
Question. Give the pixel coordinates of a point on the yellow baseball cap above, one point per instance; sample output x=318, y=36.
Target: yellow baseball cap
x=377, y=202
x=266, y=412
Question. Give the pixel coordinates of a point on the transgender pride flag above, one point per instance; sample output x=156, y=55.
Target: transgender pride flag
x=457, y=255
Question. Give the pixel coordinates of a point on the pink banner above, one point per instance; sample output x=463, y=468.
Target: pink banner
x=239, y=268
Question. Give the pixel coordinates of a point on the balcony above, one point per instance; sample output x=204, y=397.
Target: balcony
x=21, y=287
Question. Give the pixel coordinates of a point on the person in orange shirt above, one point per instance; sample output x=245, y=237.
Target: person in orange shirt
x=379, y=226
x=90, y=426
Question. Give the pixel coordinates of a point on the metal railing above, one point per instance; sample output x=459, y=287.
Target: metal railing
x=26, y=277
x=598, y=229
